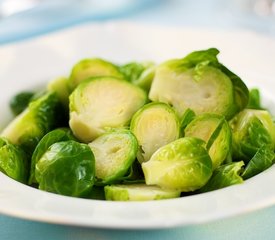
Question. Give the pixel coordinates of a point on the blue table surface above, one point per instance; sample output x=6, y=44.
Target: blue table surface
x=206, y=13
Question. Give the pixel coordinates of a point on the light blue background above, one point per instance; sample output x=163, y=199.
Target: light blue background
x=206, y=13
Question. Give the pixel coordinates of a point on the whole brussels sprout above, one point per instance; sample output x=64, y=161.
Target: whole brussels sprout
x=13, y=161
x=57, y=135
x=154, y=125
x=100, y=104
x=201, y=83
x=182, y=165
x=66, y=168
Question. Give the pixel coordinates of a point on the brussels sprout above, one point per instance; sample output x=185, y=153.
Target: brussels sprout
x=66, y=168
x=154, y=125
x=138, y=192
x=57, y=135
x=94, y=67
x=114, y=154
x=215, y=131
x=31, y=125
x=252, y=129
x=254, y=99
x=97, y=193
x=13, y=161
x=262, y=160
x=20, y=102
x=60, y=86
x=140, y=74
x=186, y=118
x=99, y=104
x=201, y=83
x=182, y=165
x=224, y=176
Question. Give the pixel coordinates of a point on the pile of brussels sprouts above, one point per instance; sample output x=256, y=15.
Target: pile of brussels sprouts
x=139, y=131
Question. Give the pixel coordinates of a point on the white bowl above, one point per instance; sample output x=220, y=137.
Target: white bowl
x=30, y=64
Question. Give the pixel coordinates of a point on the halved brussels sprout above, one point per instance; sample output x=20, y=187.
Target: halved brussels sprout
x=66, y=168
x=30, y=126
x=215, y=131
x=182, y=165
x=13, y=161
x=114, y=154
x=20, y=102
x=154, y=125
x=262, y=160
x=57, y=135
x=201, y=83
x=60, y=86
x=224, y=176
x=99, y=104
x=140, y=74
x=94, y=67
x=138, y=192
x=252, y=129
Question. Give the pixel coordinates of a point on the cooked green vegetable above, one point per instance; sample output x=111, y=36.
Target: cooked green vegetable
x=57, y=135
x=201, y=83
x=13, y=161
x=252, y=129
x=140, y=74
x=60, y=86
x=215, y=131
x=138, y=192
x=154, y=125
x=182, y=165
x=254, y=99
x=100, y=104
x=66, y=168
x=114, y=154
x=20, y=102
x=262, y=160
x=139, y=131
x=94, y=67
x=224, y=176
x=186, y=118
x=30, y=126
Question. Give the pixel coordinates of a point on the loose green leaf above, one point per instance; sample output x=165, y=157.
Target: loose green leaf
x=224, y=176
x=20, y=102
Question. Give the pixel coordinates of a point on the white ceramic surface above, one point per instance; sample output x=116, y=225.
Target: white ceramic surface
x=30, y=64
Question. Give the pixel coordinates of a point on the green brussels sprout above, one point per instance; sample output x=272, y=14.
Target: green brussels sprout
x=182, y=165
x=262, y=160
x=138, y=192
x=201, y=83
x=60, y=86
x=215, y=131
x=66, y=168
x=30, y=126
x=94, y=67
x=57, y=135
x=114, y=154
x=254, y=99
x=154, y=125
x=252, y=129
x=13, y=161
x=100, y=104
x=20, y=102
x=224, y=176
x=140, y=74
x=186, y=118
x=97, y=193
